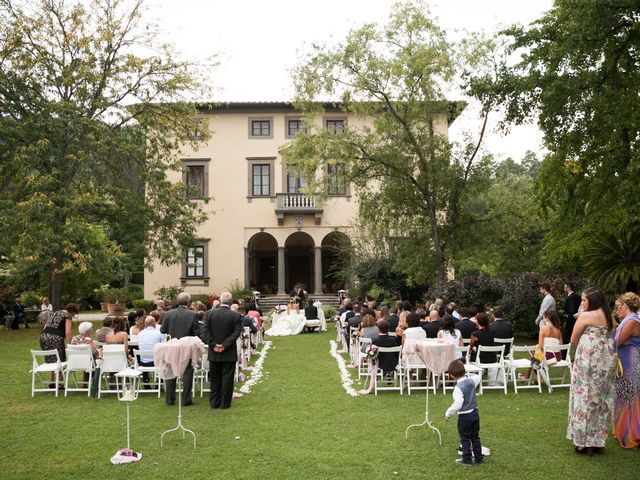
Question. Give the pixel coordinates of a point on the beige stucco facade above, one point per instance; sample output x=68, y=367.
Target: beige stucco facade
x=269, y=241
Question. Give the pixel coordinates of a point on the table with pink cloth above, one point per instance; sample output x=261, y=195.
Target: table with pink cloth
x=172, y=357
x=436, y=355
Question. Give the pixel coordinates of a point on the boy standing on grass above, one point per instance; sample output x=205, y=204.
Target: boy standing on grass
x=465, y=403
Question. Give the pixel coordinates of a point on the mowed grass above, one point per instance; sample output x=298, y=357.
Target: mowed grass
x=298, y=423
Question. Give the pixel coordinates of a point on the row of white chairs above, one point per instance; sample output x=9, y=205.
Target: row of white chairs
x=412, y=373
x=81, y=363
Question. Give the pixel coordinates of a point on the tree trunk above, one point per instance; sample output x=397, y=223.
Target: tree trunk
x=55, y=281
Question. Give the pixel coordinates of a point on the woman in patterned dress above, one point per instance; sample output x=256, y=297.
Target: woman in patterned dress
x=590, y=401
x=56, y=329
x=626, y=410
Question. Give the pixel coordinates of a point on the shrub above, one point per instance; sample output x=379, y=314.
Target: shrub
x=239, y=292
x=30, y=299
x=146, y=305
x=329, y=311
x=168, y=294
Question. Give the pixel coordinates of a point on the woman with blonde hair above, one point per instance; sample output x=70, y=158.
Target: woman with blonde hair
x=402, y=324
x=626, y=408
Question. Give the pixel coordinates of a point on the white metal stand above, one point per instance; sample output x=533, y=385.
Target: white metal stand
x=179, y=427
x=426, y=408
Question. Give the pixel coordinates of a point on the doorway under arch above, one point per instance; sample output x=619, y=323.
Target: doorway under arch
x=299, y=261
x=262, y=250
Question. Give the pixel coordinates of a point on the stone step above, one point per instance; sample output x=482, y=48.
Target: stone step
x=270, y=301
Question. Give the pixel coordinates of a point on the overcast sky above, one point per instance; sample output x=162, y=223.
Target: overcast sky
x=258, y=42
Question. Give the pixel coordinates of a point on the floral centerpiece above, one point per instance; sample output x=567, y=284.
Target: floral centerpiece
x=280, y=308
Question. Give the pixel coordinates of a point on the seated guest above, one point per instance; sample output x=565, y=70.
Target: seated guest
x=119, y=335
x=393, y=319
x=501, y=328
x=84, y=337
x=402, y=325
x=157, y=316
x=387, y=361
x=311, y=311
x=101, y=333
x=451, y=309
x=413, y=331
x=201, y=326
x=247, y=321
x=147, y=339
x=354, y=321
x=132, y=318
x=466, y=326
x=368, y=327
x=449, y=333
x=384, y=312
x=138, y=326
x=473, y=311
x=422, y=316
x=432, y=327
x=482, y=336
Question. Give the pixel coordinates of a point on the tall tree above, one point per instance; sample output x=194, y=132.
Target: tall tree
x=579, y=73
x=90, y=104
x=409, y=184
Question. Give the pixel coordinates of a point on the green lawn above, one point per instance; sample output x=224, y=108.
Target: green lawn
x=298, y=423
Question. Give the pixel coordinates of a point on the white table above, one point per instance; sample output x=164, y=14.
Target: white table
x=436, y=356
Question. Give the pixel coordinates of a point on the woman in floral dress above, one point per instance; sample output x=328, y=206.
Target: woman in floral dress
x=626, y=411
x=590, y=402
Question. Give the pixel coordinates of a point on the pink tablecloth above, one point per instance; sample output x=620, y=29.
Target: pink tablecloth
x=172, y=357
x=436, y=355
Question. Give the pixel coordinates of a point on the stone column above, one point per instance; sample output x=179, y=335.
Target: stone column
x=247, y=268
x=281, y=271
x=318, y=271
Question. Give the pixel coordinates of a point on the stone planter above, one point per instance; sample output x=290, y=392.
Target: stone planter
x=116, y=309
x=103, y=307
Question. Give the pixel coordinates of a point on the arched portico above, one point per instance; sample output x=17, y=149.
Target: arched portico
x=261, y=263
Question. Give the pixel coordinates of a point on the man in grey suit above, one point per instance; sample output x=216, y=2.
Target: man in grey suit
x=181, y=322
x=223, y=327
x=548, y=302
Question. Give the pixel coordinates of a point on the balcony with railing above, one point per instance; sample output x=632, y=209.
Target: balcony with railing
x=298, y=204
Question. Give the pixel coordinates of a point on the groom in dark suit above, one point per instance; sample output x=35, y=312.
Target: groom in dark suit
x=181, y=322
x=223, y=327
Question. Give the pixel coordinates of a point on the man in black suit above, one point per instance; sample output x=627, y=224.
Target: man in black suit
x=432, y=327
x=501, y=328
x=223, y=329
x=181, y=322
x=354, y=321
x=387, y=361
x=571, y=306
x=466, y=326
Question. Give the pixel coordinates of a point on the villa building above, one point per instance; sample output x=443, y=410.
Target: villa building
x=262, y=231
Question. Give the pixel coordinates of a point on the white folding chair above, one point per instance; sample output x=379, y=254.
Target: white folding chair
x=202, y=374
x=416, y=372
x=507, y=342
x=40, y=367
x=156, y=383
x=359, y=349
x=353, y=344
x=498, y=365
x=449, y=384
x=398, y=376
x=114, y=359
x=79, y=359
x=515, y=362
x=565, y=365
